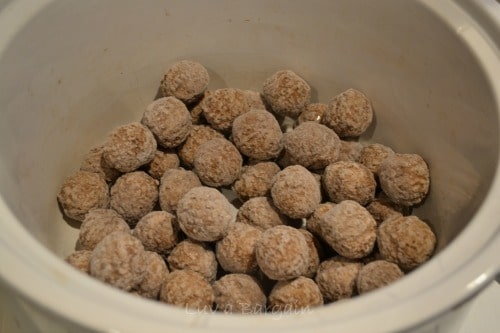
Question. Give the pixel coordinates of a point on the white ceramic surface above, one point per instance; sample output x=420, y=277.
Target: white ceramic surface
x=71, y=71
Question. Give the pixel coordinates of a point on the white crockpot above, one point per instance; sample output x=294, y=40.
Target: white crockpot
x=72, y=70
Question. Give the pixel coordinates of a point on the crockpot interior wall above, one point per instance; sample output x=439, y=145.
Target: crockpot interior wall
x=76, y=71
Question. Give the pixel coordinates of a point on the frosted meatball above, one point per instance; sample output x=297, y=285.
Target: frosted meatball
x=223, y=106
x=99, y=223
x=377, y=274
x=199, y=135
x=349, y=229
x=349, y=181
x=406, y=241
x=81, y=192
x=94, y=162
x=187, y=289
x=156, y=272
x=174, y=184
x=169, y=120
x=313, y=112
x=282, y=253
x=162, y=161
x=129, y=146
x=80, y=260
x=157, y=231
x=118, y=260
x=255, y=100
x=286, y=93
x=239, y=293
x=204, y=214
x=185, y=80
x=257, y=135
x=404, y=178
x=349, y=114
x=134, y=195
x=372, y=155
x=217, y=162
x=296, y=192
x=255, y=180
x=312, y=246
x=296, y=294
x=336, y=278
x=236, y=251
x=194, y=256
x=261, y=213
x=312, y=145
x=350, y=150
x=313, y=222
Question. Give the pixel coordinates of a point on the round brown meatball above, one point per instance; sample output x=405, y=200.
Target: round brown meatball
x=406, y=241
x=199, y=135
x=336, y=278
x=311, y=145
x=286, y=93
x=157, y=231
x=161, y=163
x=81, y=192
x=195, y=256
x=296, y=294
x=94, y=162
x=185, y=80
x=187, y=289
x=296, y=192
x=349, y=181
x=80, y=260
x=174, y=184
x=260, y=212
x=313, y=112
x=372, y=155
x=217, y=162
x=257, y=135
x=349, y=114
x=223, y=106
x=239, y=293
x=255, y=180
x=156, y=273
x=99, y=223
x=377, y=274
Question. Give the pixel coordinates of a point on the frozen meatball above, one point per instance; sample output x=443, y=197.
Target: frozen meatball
x=156, y=272
x=239, y=293
x=169, y=120
x=236, y=251
x=257, y=135
x=336, y=278
x=157, y=231
x=99, y=223
x=185, y=80
x=313, y=112
x=94, y=162
x=118, y=260
x=128, y=147
x=255, y=99
x=296, y=294
x=134, y=195
x=161, y=163
x=349, y=181
x=312, y=246
x=282, y=253
x=81, y=192
x=255, y=180
x=199, y=135
x=383, y=208
x=404, y=178
x=197, y=117
x=372, y=155
x=217, y=162
x=260, y=212
x=377, y=274
x=187, y=289
x=406, y=241
x=286, y=93
x=350, y=150
x=312, y=145
x=173, y=185
x=222, y=106
x=204, y=214
x=349, y=229
x=296, y=192
x=80, y=260
x=313, y=222
x=195, y=256
x=349, y=114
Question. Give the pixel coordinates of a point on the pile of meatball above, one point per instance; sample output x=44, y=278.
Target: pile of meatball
x=242, y=201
